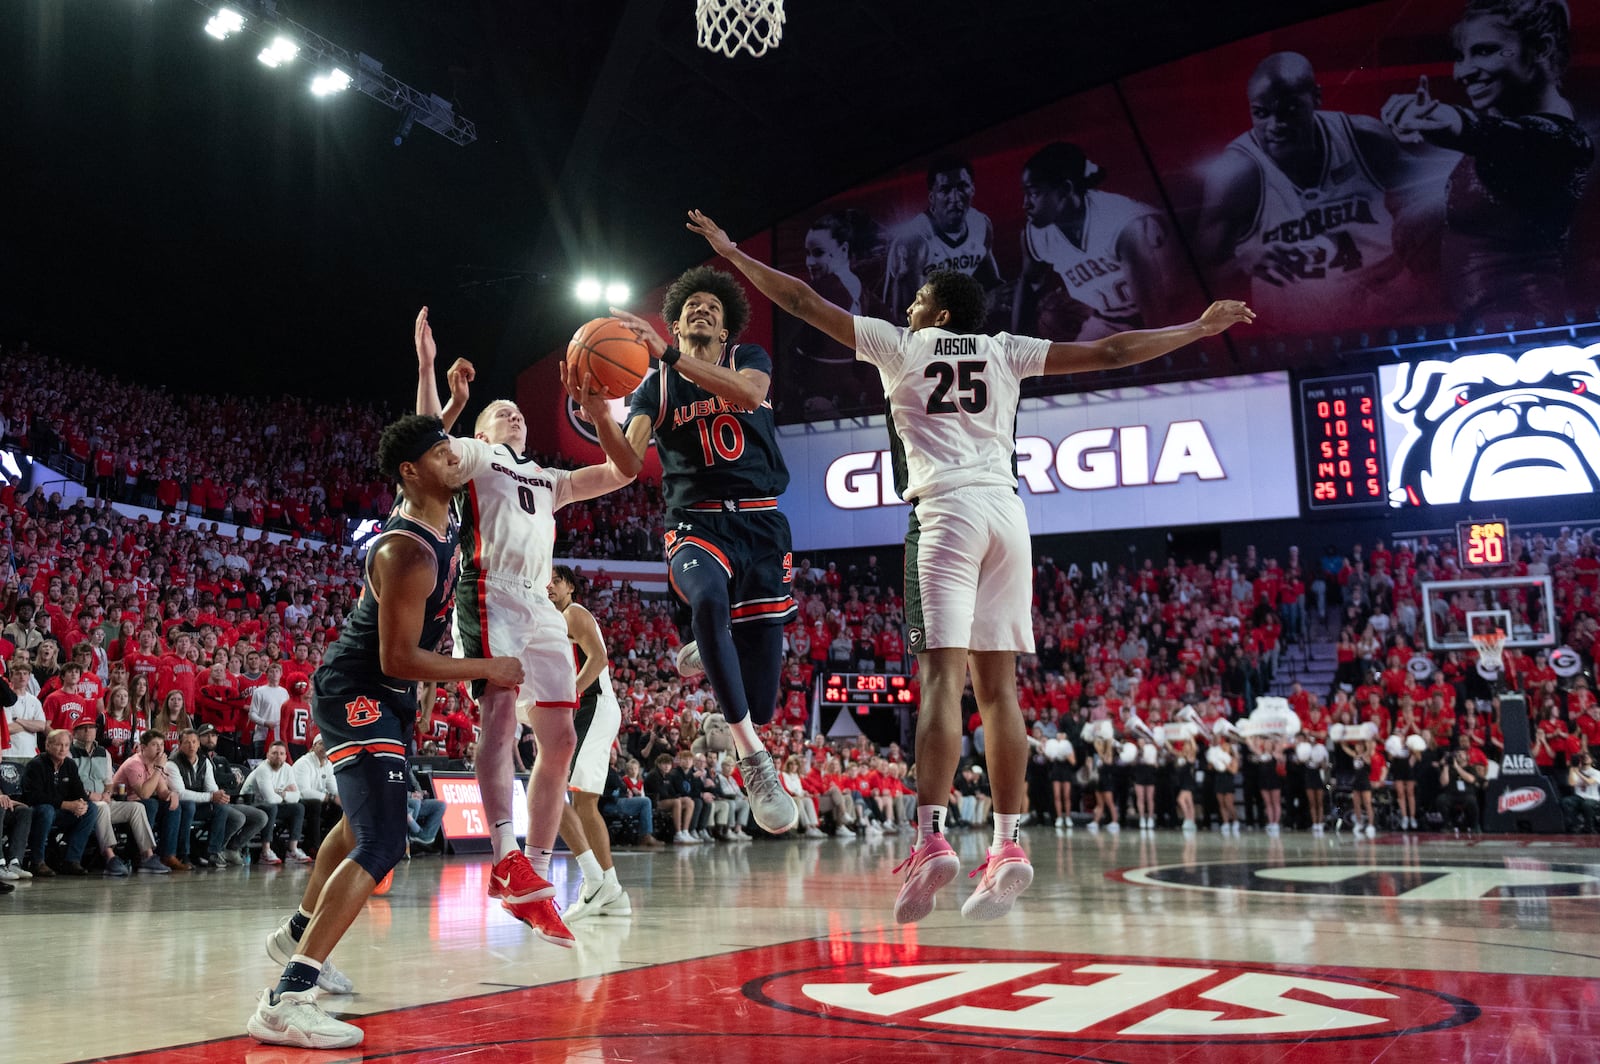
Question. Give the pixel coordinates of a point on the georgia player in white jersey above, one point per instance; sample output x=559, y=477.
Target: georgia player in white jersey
x=952, y=412
x=508, y=532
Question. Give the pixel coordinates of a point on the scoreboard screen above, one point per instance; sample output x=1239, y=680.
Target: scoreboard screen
x=867, y=689
x=1482, y=543
x=1341, y=424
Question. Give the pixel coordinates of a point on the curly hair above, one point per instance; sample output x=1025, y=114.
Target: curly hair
x=735, y=304
x=400, y=440
x=1532, y=21
x=962, y=296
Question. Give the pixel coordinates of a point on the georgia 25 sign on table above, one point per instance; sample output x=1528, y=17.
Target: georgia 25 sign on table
x=1189, y=452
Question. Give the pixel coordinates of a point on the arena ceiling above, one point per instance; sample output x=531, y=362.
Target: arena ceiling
x=183, y=214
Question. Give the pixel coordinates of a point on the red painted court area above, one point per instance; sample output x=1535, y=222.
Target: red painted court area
x=840, y=1000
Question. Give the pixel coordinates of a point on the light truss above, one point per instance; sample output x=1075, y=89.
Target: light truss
x=263, y=20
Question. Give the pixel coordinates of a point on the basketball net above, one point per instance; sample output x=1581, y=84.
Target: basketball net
x=731, y=26
x=1491, y=650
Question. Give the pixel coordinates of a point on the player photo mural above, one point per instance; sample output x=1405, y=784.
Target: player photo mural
x=1494, y=426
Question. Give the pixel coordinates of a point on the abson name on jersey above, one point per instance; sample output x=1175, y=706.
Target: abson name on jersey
x=1087, y=460
x=955, y=346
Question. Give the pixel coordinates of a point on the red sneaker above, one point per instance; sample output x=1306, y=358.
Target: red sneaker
x=514, y=880
x=384, y=884
x=932, y=866
x=1005, y=875
x=543, y=917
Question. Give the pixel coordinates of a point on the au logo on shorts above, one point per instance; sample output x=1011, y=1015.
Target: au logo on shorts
x=361, y=712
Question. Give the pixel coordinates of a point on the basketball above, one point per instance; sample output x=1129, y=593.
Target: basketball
x=613, y=357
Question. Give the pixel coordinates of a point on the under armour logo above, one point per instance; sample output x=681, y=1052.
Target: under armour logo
x=396, y=776
x=684, y=526
x=690, y=564
x=730, y=505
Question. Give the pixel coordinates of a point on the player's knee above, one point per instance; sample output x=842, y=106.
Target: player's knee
x=378, y=855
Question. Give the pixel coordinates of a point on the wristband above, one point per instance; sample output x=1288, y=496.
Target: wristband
x=670, y=356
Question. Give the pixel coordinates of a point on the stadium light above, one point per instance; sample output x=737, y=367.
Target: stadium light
x=589, y=290
x=617, y=293
x=336, y=80
x=224, y=23
x=282, y=50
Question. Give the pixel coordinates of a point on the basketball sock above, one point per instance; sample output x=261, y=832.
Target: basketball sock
x=930, y=821
x=705, y=586
x=610, y=876
x=590, y=866
x=299, y=975
x=745, y=739
x=1005, y=830
x=540, y=859
x=504, y=839
x=298, y=922
x=760, y=650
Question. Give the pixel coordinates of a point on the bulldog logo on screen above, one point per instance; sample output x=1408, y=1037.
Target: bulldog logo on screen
x=1493, y=426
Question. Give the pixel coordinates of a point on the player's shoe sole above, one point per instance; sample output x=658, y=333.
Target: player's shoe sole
x=1004, y=878
x=543, y=920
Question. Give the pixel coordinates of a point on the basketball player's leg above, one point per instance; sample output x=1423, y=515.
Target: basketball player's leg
x=495, y=765
x=758, y=646
x=701, y=580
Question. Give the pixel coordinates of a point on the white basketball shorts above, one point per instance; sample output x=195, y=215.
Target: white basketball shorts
x=502, y=617
x=969, y=572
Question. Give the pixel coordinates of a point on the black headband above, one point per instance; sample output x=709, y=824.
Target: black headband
x=425, y=444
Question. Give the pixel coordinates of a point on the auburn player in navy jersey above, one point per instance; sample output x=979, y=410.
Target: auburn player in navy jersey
x=727, y=546
x=365, y=703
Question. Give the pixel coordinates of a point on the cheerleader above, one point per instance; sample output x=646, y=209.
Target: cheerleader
x=1105, y=779
x=1143, y=771
x=1405, y=748
x=1267, y=762
x=1063, y=760
x=1184, y=756
x=1224, y=762
x=1360, y=751
x=1314, y=758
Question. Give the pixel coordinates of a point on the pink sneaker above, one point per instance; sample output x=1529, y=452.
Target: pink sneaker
x=933, y=865
x=1005, y=875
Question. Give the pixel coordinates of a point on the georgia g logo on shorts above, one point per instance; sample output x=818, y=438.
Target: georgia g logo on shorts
x=1496, y=426
x=361, y=712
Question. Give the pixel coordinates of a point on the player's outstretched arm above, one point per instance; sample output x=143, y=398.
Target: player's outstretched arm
x=461, y=374
x=622, y=464
x=1142, y=345
x=790, y=293
x=403, y=576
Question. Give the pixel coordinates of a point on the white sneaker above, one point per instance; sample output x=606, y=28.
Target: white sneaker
x=689, y=664
x=1066, y=822
x=1371, y=831
x=295, y=1019
x=683, y=838
x=1317, y=829
x=236, y=857
x=815, y=832
x=873, y=830
x=704, y=836
x=1114, y=827
x=621, y=905
x=7, y=872
x=592, y=902
x=842, y=832
x=1094, y=827
x=17, y=871
x=1188, y=827
x=268, y=857
x=891, y=828
x=281, y=947
x=297, y=854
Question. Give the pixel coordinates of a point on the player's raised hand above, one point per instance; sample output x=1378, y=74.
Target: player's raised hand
x=423, y=337
x=461, y=376
x=503, y=672
x=1224, y=314
x=700, y=223
x=642, y=329
x=1410, y=116
x=590, y=399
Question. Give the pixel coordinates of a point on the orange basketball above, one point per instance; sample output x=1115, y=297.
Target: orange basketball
x=613, y=357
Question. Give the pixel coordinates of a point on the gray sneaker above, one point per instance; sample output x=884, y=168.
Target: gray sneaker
x=153, y=865
x=115, y=868
x=770, y=804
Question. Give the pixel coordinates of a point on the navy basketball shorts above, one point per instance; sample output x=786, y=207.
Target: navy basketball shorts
x=366, y=729
x=753, y=548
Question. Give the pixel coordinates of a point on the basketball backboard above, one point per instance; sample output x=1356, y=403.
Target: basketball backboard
x=1521, y=606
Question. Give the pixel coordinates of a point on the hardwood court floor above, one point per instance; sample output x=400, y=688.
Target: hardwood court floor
x=1407, y=949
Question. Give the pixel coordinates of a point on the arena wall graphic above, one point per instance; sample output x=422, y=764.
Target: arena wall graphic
x=1492, y=426
x=1149, y=457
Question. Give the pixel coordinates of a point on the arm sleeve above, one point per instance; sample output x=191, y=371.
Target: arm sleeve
x=474, y=454
x=1024, y=354
x=880, y=343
